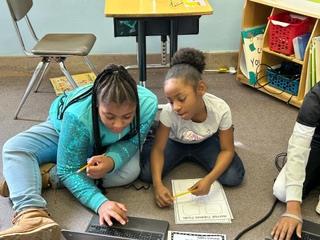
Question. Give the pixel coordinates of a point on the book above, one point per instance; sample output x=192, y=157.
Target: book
x=61, y=84
x=307, y=86
x=313, y=70
x=296, y=48
x=299, y=45
x=317, y=58
x=252, y=39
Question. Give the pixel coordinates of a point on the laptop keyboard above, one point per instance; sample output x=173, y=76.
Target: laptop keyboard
x=125, y=233
x=306, y=236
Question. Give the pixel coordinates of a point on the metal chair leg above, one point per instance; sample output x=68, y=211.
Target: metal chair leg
x=67, y=74
x=43, y=73
x=90, y=64
x=29, y=87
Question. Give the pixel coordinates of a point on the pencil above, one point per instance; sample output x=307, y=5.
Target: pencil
x=182, y=194
x=82, y=168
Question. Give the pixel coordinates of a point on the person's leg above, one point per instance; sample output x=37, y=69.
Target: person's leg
x=206, y=153
x=234, y=174
x=145, y=165
x=123, y=176
x=22, y=156
x=174, y=154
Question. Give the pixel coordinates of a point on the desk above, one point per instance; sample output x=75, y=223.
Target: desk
x=155, y=17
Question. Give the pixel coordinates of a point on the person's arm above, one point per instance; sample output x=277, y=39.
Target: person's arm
x=157, y=153
x=163, y=196
x=73, y=145
x=297, y=158
x=298, y=154
x=122, y=151
x=222, y=163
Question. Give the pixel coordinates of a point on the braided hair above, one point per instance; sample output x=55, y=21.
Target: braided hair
x=113, y=84
x=187, y=64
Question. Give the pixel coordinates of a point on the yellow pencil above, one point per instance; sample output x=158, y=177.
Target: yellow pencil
x=82, y=168
x=182, y=194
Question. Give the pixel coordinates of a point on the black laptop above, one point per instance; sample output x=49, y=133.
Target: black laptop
x=136, y=228
x=310, y=231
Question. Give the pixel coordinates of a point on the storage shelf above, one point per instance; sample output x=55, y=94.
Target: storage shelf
x=277, y=93
x=289, y=58
x=256, y=13
x=306, y=8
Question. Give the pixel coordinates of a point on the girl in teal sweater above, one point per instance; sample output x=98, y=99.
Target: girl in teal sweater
x=101, y=126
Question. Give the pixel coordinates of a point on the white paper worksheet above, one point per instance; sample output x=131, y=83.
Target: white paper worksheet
x=190, y=209
x=174, y=235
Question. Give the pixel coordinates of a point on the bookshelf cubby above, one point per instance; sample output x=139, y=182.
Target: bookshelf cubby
x=255, y=13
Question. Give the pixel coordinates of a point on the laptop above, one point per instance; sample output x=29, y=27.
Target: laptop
x=310, y=231
x=136, y=228
x=72, y=235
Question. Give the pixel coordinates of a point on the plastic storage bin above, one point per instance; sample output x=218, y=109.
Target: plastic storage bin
x=283, y=28
x=282, y=82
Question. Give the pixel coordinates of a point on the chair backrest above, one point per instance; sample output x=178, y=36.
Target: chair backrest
x=19, y=8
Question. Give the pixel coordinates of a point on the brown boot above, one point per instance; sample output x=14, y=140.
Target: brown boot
x=32, y=224
x=4, y=190
x=44, y=169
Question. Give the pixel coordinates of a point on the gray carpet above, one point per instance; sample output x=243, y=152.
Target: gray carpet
x=262, y=128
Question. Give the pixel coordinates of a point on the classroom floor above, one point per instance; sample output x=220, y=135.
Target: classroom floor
x=262, y=127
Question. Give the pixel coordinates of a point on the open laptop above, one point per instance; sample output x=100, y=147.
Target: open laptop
x=310, y=231
x=136, y=228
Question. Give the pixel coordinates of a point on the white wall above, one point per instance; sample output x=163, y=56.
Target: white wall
x=218, y=32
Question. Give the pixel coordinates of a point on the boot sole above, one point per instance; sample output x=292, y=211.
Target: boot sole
x=52, y=232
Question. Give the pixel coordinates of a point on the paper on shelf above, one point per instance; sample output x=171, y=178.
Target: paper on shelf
x=243, y=66
x=252, y=39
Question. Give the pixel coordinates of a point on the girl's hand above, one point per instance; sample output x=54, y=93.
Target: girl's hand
x=99, y=165
x=112, y=210
x=162, y=196
x=202, y=187
x=285, y=227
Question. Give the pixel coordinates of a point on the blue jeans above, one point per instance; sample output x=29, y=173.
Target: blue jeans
x=204, y=153
x=24, y=153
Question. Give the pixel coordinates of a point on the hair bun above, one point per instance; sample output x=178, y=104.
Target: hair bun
x=189, y=56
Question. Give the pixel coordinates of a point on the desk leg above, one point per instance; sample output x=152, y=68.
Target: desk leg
x=173, y=36
x=142, y=52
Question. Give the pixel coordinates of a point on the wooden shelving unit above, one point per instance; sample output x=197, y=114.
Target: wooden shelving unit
x=255, y=13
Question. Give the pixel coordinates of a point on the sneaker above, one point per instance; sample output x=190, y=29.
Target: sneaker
x=318, y=207
x=44, y=169
x=32, y=224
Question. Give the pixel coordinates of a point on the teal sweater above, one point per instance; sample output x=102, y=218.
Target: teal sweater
x=76, y=142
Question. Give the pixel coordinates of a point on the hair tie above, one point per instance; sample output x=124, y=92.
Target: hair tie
x=290, y=215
